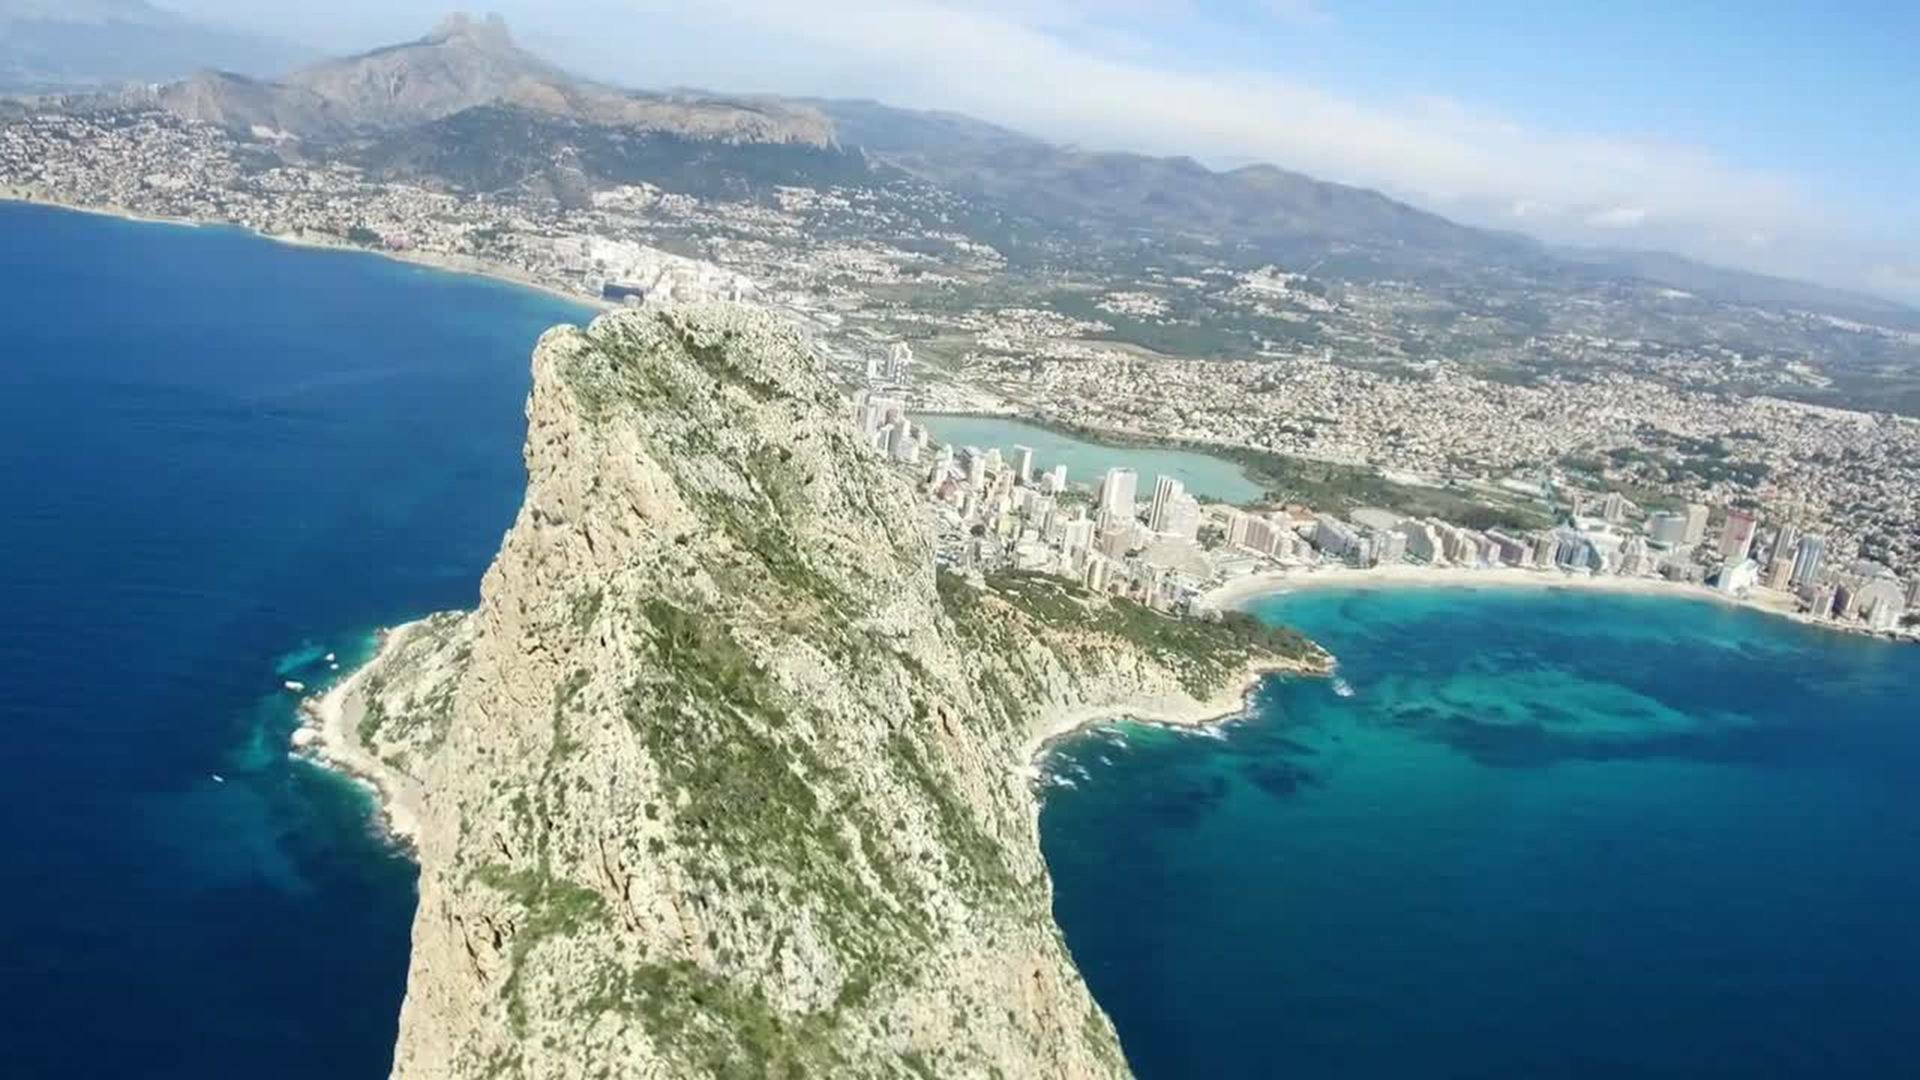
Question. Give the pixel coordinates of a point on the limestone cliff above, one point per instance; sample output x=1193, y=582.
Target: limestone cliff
x=721, y=779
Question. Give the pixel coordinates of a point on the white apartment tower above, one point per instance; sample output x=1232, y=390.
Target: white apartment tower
x=1116, y=494
x=1166, y=492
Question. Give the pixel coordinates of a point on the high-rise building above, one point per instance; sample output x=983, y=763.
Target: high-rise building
x=1334, y=537
x=899, y=359
x=1023, y=463
x=875, y=413
x=902, y=444
x=1078, y=536
x=1634, y=558
x=976, y=467
x=1807, y=557
x=1846, y=598
x=1116, y=494
x=1546, y=550
x=1696, y=524
x=1882, y=602
x=1614, y=509
x=1780, y=572
x=1389, y=547
x=1056, y=481
x=1180, y=517
x=1235, y=524
x=1736, y=536
x=1821, y=597
x=1165, y=491
x=1098, y=569
x=1737, y=575
x=1668, y=528
x=1422, y=542
x=1784, y=540
x=1262, y=536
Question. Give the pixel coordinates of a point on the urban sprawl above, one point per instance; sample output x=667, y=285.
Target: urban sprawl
x=1635, y=452
x=1165, y=548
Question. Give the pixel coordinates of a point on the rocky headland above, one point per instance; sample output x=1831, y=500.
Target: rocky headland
x=722, y=778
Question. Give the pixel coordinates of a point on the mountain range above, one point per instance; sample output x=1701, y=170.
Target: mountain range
x=464, y=63
x=468, y=108
x=51, y=45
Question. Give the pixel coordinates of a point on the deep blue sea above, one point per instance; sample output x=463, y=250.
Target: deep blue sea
x=220, y=459
x=1548, y=834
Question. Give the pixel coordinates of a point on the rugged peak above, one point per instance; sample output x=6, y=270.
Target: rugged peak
x=720, y=779
x=489, y=32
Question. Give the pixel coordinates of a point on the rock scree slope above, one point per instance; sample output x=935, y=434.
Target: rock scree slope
x=722, y=778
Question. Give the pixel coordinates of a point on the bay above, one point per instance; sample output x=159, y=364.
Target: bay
x=1523, y=833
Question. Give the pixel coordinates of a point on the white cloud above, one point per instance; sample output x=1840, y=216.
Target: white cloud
x=1618, y=217
x=1900, y=280
x=1298, y=12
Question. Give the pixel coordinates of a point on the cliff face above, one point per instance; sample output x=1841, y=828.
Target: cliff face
x=719, y=779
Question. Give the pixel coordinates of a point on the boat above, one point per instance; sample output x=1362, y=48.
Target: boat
x=295, y=686
x=217, y=778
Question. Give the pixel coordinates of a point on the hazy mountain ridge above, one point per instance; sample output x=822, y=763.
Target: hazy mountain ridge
x=466, y=108
x=464, y=63
x=503, y=147
x=1140, y=193
x=1744, y=287
x=50, y=45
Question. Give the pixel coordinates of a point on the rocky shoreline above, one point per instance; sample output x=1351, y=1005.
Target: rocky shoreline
x=1167, y=709
x=328, y=736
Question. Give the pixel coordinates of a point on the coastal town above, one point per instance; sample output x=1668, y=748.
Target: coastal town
x=1442, y=458
x=959, y=539
x=1152, y=541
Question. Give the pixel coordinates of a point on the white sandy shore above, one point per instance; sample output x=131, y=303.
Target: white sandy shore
x=1239, y=592
x=432, y=260
x=330, y=736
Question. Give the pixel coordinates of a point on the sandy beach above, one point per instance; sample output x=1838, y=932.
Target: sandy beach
x=330, y=736
x=1240, y=592
x=432, y=260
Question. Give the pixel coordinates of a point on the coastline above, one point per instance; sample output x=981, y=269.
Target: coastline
x=1172, y=710
x=1237, y=594
x=329, y=737
x=466, y=265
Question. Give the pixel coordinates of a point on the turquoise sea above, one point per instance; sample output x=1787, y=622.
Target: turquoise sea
x=1204, y=475
x=220, y=459
x=1523, y=834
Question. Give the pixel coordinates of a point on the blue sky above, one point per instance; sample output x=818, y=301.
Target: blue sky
x=1771, y=136
x=1798, y=87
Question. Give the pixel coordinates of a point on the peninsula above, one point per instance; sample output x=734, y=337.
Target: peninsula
x=723, y=777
